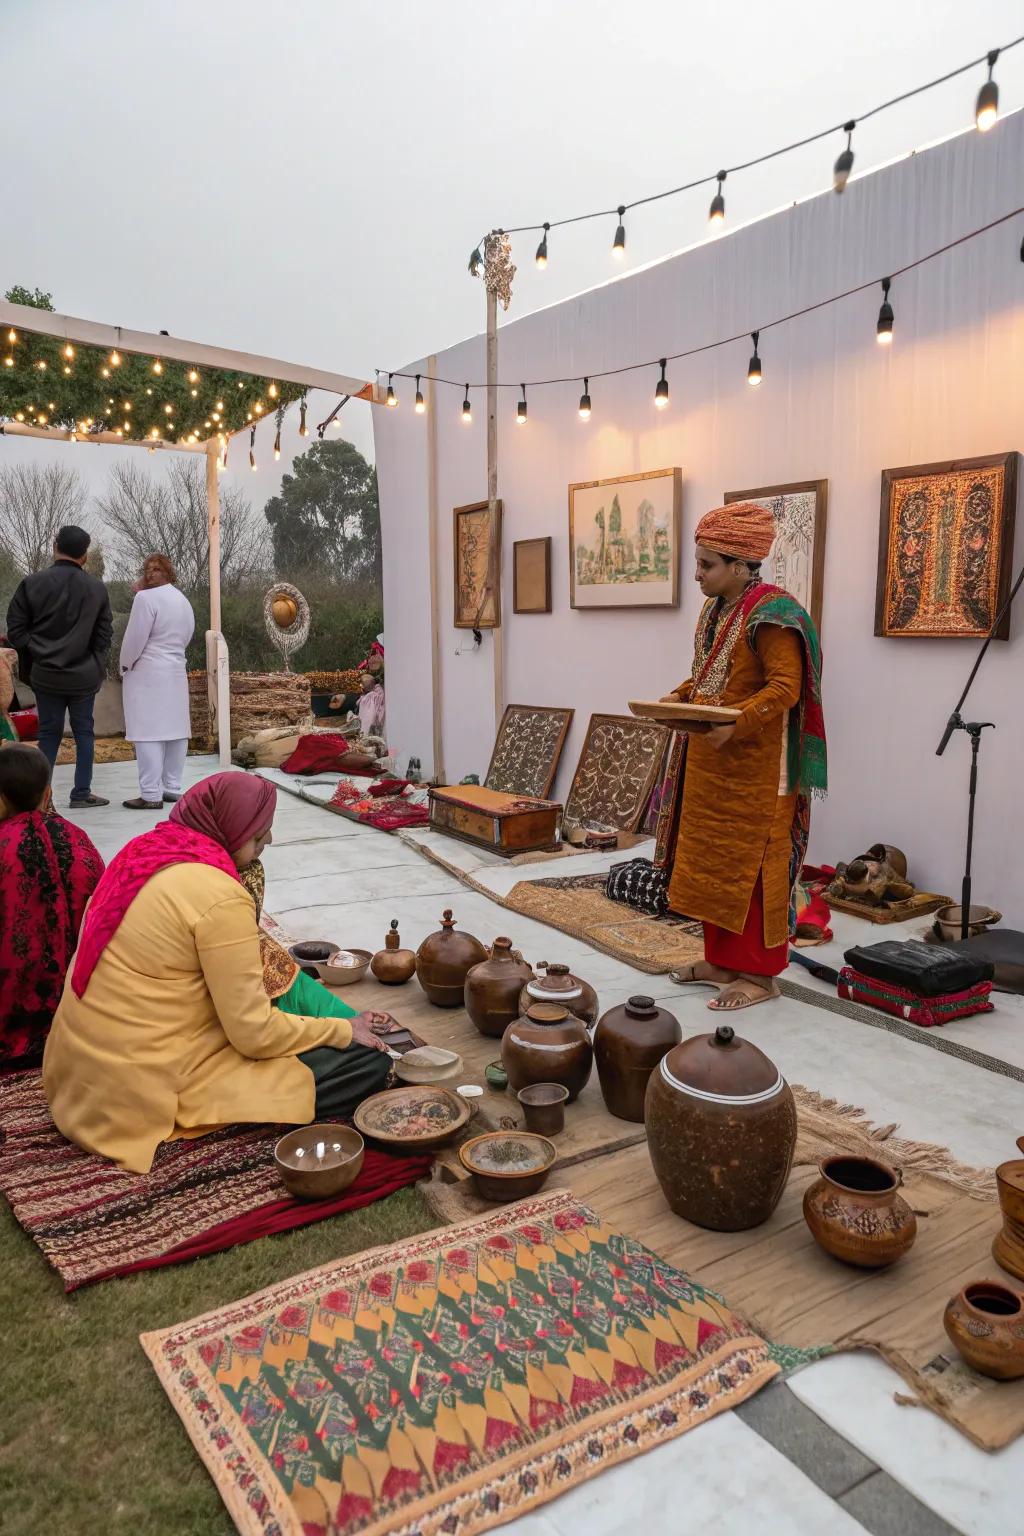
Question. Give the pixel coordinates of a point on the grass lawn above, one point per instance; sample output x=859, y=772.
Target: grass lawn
x=89, y=1443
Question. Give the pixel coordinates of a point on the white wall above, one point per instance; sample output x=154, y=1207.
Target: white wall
x=832, y=405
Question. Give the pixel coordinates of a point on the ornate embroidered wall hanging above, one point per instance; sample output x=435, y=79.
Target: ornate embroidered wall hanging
x=616, y=772
x=527, y=749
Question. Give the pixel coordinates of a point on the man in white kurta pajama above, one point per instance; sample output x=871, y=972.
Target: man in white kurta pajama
x=156, y=711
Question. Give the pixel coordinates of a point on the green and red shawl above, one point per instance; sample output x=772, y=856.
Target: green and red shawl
x=808, y=762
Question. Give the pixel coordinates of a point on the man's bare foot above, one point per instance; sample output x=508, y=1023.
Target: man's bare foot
x=745, y=992
x=703, y=974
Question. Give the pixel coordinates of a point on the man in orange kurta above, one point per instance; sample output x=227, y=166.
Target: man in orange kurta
x=743, y=829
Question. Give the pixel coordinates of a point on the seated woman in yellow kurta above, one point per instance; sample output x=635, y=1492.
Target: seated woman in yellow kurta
x=165, y=1028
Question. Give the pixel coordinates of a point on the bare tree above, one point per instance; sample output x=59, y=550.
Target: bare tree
x=36, y=500
x=168, y=515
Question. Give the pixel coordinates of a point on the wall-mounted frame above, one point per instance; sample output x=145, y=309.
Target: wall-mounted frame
x=624, y=540
x=797, y=560
x=531, y=576
x=476, y=542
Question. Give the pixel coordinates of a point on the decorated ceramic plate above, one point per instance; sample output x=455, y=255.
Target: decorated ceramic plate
x=419, y=1117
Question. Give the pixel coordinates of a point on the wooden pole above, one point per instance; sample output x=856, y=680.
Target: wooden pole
x=433, y=518
x=492, y=495
x=217, y=669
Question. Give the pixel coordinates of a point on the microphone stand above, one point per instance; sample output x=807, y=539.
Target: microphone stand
x=974, y=728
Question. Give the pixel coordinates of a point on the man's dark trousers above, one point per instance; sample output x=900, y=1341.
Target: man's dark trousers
x=51, y=707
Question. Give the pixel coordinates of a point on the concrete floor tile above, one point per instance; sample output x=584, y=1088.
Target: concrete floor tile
x=805, y=1440
x=885, y=1509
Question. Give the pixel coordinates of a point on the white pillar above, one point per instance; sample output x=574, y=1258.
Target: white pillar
x=217, y=669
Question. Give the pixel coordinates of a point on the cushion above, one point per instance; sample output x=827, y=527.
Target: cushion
x=327, y=752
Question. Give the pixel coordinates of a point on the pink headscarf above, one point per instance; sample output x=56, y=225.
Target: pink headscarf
x=210, y=822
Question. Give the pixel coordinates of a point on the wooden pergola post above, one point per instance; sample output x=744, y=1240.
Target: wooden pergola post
x=218, y=673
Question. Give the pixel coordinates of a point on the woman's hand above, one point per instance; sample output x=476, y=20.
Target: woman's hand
x=719, y=736
x=368, y=1028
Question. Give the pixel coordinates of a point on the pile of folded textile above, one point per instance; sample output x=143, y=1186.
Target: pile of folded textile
x=923, y=983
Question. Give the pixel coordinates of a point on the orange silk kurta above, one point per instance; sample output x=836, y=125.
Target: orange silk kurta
x=737, y=808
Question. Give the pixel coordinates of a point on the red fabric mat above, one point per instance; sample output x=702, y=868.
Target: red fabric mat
x=92, y=1220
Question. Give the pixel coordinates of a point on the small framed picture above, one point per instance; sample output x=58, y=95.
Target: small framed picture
x=477, y=548
x=531, y=576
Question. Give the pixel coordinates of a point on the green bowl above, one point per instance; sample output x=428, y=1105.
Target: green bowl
x=496, y=1077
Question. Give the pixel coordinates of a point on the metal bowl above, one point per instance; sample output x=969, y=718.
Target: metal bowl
x=318, y=1161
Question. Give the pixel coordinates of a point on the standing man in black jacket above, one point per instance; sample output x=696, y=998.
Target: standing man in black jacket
x=60, y=624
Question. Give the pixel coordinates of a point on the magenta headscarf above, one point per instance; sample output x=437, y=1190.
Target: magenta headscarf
x=210, y=822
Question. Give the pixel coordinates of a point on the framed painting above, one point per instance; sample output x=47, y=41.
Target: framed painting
x=624, y=541
x=531, y=576
x=945, y=548
x=617, y=770
x=477, y=545
x=527, y=749
x=797, y=560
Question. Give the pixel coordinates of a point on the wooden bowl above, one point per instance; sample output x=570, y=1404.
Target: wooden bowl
x=310, y=1174
x=508, y=1165
x=345, y=967
x=418, y=1118
x=428, y=1064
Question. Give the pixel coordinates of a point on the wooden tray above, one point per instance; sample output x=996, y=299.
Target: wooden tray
x=697, y=718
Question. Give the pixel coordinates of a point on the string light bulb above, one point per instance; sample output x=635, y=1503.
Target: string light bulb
x=844, y=164
x=619, y=243
x=104, y=373
x=585, y=401
x=193, y=376
x=168, y=410
x=277, y=444
x=986, y=108
x=420, y=405
x=716, y=213
x=194, y=393
x=521, y=408
x=158, y=366
x=272, y=391
x=541, y=257
x=303, y=429
x=467, y=409
x=252, y=450
x=883, y=330
x=8, y=362
x=220, y=405
x=754, y=366
x=154, y=433
x=41, y=418
x=12, y=335
x=41, y=365
x=661, y=390
x=391, y=398
x=114, y=359
x=68, y=370
x=476, y=261
x=241, y=383
x=69, y=351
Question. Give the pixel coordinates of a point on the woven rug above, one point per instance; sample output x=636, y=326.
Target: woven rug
x=577, y=905
x=92, y=1220
x=450, y=1382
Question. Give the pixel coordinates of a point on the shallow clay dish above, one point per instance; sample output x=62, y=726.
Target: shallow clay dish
x=508, y=1165
x=312, y=955
x=318, y=1161
x=345, y=966
x=428, y=1064
x=420, y=1117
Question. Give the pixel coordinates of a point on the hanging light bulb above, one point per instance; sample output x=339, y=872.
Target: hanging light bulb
x=19, y=416
x=986, y=108
x=619, y=243
x=194, y=393
x=168, y=410
x=149, y=390
x=844, y=164
x=521, y=408
x=716, y=213
x=420, y=405
x=392, y=398
x=883, y=330
x=193, y=376
x=127, y=426
x=41, y=365
x=272, y=391
x=467, y=409
x=754, y=366
x=585, y=401
x=8, y=362
x=241, y=383
x=105, y=373
x=158, y=366
x=303, y=429
x=476, y=261
x=220, y=405
x=277, y=444
x=69, y=351
x=661, y=391
x=127, y=405
x=154, y=432
x=252, y=449
x=41, y=418
x=68, y=370
x=114, y=359
x=259, y=407
x=541, y=257
x=12, y=335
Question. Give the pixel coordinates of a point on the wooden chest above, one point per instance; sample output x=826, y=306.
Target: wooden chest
x=504, y=823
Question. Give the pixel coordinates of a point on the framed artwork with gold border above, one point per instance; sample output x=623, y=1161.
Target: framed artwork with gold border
x=476, y=542
x=797, y=559
x=624, y=540
x=945, y=548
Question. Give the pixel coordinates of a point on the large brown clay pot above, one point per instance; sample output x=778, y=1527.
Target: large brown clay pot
x=443, y=960
x=558, y=985
x=492, y=989
x=392, y=965
x=1008, y=1248
x=856, y=1213
x=629, y=1043
x=721, y=1129
x=986, y=1323
x=547, y=1045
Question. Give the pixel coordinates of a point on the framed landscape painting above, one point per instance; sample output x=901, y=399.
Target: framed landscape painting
x=531, y=576
x=624, y=541
x=477, y=545
x=797, y=560
x=945, y=548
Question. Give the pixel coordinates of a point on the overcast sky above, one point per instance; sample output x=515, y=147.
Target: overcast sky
x=308, y=180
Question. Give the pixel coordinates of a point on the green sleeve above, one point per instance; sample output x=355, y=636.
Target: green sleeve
x=312, y=998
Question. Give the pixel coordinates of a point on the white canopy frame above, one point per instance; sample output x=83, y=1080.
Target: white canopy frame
x=91, y=333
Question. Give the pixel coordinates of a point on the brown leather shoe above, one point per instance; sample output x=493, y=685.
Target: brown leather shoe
x=138, y=804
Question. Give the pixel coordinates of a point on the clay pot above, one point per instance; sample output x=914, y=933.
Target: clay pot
x=492, y=989
x=856, y=1214
x=558, y=985
x=443, y=961
x=392, y=965
x=986, y=1324
x=1008, y=1248
x=629, y=1043
x=721, y=1130
x=544, y=1107
x=548, y=1045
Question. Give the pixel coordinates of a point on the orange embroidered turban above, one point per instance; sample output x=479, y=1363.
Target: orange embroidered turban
x=742, y=529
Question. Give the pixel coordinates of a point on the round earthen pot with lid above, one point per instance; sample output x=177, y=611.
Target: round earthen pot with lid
x=392, y=965
x=721, y=1130
x=547, y=1044
x=492, y=988
x=558, y=985
x=629, y=1043
x=443, y=961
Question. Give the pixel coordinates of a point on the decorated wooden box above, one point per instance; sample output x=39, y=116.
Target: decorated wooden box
x=504, y=823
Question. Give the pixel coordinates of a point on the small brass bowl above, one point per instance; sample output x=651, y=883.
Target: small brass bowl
x=310, y=1173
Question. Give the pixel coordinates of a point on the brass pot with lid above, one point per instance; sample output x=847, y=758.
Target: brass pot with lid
x=392, y=965
x=721, y=1130
x=559, y=985
x=443, y=961
x=548, y=1044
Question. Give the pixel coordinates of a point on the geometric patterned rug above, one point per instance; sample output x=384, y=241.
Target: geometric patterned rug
x=447, y=1383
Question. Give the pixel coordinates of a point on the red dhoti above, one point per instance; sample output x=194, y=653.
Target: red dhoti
x=746, y=952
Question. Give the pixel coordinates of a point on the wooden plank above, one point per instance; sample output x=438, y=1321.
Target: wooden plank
x=433, y=508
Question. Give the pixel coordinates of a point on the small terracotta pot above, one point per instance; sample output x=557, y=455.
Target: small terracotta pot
x=986, y=1324
x=544, y=1107
x=1008, y=1248
x=856, y=1214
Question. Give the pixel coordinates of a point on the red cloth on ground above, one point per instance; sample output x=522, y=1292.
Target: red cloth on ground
x=903, y=1004
x=325, y=752
x=812, y=916
x=390, y=817
x=387, y=787
x=746, y=951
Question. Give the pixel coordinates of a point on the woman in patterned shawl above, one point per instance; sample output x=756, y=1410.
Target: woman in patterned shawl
x=48, y=871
